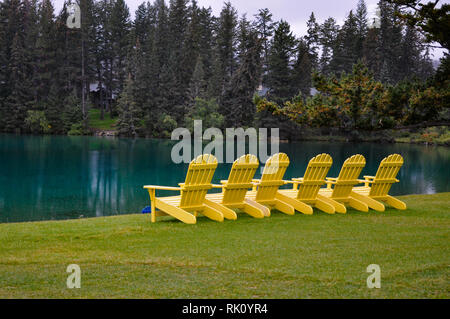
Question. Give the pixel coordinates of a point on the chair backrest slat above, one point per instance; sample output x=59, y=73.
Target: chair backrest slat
x=240, y=179
x=198, y=180
x=386, y=175
x=348, y=177
x=314, y=177
x=272, y=177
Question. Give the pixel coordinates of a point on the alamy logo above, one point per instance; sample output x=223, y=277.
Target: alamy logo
x=74, y=279
x=374, y=280
x=74, y=16
x=234, y=139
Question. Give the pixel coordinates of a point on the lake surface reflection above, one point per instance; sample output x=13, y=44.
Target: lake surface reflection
x=61, y=177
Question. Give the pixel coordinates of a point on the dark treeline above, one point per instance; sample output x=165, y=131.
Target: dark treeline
x=177, y=62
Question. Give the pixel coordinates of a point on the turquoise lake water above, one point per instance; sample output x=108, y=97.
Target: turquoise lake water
x=61, y=177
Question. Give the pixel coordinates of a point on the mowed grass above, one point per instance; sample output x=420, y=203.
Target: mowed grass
x=107, y=124
x=318, y=256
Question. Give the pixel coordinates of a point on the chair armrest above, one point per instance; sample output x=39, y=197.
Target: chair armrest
x=255, y=183
x=330, y=181
x=294, y=182
x=152, y=190
x=368, y=179
x=217, y=186
x=166, y=188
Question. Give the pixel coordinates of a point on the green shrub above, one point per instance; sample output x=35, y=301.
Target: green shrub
x=76, y=129
x=36, y=122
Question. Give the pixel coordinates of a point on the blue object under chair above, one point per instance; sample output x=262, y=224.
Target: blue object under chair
x=147, y=210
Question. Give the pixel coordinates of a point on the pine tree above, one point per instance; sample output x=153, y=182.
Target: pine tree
x=410, y=58
x=142, y=23
x=371, y=51
x=362, y=27
x=128, y=123
x=119, y=28
x=282, y=51
x=54, y=108
x=191, y=46
x=206, y=43
x=265, y=27
x=312, y=40
x=99, y=53
x=301, y=73
x=197, y=87
x=46, y=50
x=178, y=25
x=390, y=40
x=238, y=104
x=226, y=45
x=345, y=50
x=18, y=101
x=327, y=38
x=87, y=59
x=72, y=116
x=17, y=26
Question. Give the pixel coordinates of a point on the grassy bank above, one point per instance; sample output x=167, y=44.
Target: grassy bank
x=434, y=135
x=96, y=123
x=318, y=256
x=438, y=135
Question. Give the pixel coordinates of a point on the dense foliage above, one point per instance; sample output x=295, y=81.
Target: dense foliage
x=176, y=62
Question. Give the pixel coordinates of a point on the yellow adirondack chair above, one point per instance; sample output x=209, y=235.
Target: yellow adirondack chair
x=237, y=185
x=341, y=193
x=265, y=191
x=381, y=184
x=306, y=189
x=193, y=192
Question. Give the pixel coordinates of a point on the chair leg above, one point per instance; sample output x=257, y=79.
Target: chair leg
x=396, y=203
x=358, y=205
x=372, y=203
x=253, y=211
x=324, y=206
x=298, y=205
x=284, y=207
x=339, y=208
x=212, y=213
x=152, y=193
x=227, y=213
x=176, y=212
x=264, y=209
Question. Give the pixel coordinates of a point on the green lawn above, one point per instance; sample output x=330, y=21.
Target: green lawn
x=107, y=124
x=318, y=256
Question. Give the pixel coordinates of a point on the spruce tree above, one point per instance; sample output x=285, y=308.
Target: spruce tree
x=265, y=26
x=362, y=27
x=282, y=51
x=327, y=38
x=239, y=109
x=312, y=40
x=226, y=45
x=46, y=50
x=301, y=73
x=371, y=51
x=18, y=101
x=345, y=50
x=120, y=27
x=197, y=86
x=128, y=123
